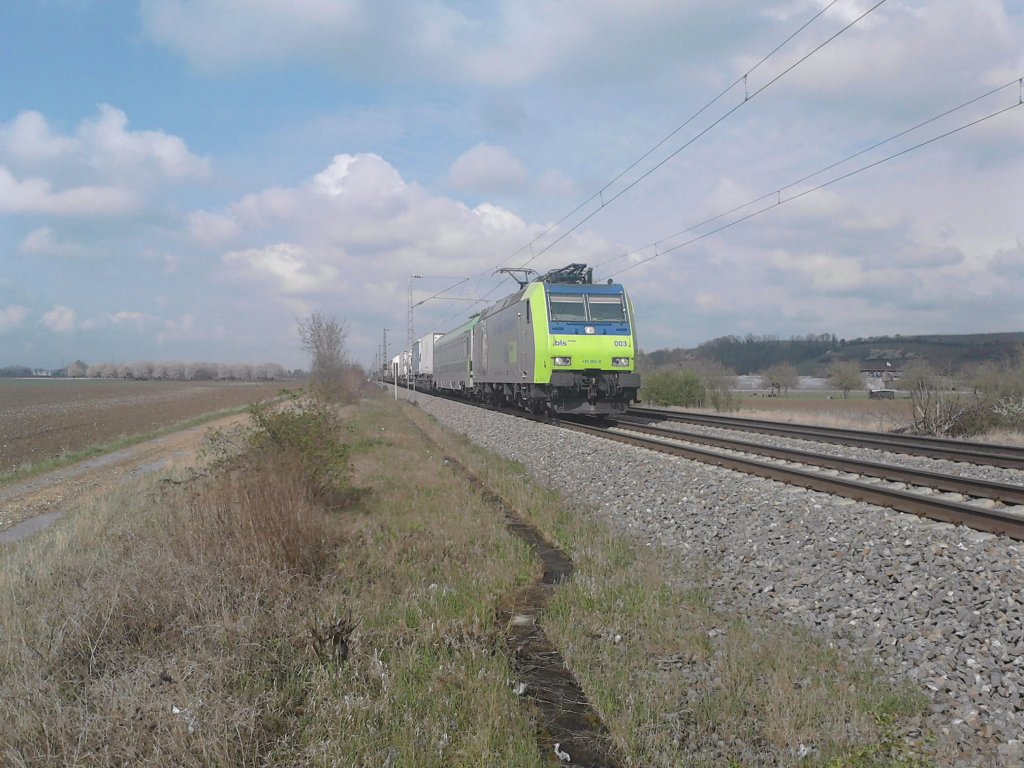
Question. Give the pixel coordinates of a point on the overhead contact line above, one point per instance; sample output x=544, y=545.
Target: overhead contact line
x=780, y=201
x=747, y=96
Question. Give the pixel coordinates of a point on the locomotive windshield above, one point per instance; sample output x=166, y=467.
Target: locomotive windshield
x=607, y=309
x=587, y=308
x=568, y=307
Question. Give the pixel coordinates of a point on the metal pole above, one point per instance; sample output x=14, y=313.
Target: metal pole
x=411, y=336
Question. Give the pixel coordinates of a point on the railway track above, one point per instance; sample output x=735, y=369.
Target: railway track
x=985, y=506
x=986, y=454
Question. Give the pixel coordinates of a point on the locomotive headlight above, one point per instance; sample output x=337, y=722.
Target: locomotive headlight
x=563, y=361
x=590, y=330
x=621, y=362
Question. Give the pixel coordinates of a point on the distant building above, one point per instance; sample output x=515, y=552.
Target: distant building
x=880, y=369
x=886, y=370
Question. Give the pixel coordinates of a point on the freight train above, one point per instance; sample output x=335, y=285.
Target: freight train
x=559, y=344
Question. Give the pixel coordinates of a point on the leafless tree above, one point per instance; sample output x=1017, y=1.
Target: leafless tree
x=781, y=378
x=845, y=375
x=323, y=339
x=77, y=369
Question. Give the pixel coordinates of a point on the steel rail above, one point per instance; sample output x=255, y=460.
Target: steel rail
x=978, y=518
x=969, y=486
x=988, y=454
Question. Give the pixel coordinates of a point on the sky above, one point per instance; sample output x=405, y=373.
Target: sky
x=188, y=179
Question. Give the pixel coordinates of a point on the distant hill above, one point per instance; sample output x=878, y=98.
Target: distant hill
x=812, y=354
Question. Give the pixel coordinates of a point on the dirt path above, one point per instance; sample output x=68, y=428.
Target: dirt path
x=30, y=505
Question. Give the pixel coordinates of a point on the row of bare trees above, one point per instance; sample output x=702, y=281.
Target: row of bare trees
x=143, y=370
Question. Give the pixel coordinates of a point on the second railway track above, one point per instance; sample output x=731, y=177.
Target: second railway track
x=986, y=506
x=1008, y=457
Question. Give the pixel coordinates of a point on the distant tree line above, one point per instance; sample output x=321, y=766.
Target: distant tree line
x=144, y=370
x=815, y=354
x=753, y=354
x=15, y=372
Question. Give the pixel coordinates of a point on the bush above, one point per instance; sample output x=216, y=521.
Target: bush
x=997, y=400
x=939, y=410
x=718, y=383
x=304, y=432
x=308, y=432
x=683, y=388
x=1001, y=387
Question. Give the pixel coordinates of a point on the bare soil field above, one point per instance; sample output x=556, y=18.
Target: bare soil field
x=30, y=505
x=41, y=418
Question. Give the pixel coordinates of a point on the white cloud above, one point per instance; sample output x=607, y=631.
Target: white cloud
x=289, y=268
x=498, y=220
x=28, y=137
x=707, y=302
x=919, y=53
x=139, y=320
x=827, y=273
x=222, y=33
x=36, y=195
x=350, y=236
x=103, y=169
x=186, y=328
x=117, y=148
x=12, y=316
x=60, y=319
x=487, y=168
x=212, y=229
x=45, y=242
x=496, y=43
x=101, y=145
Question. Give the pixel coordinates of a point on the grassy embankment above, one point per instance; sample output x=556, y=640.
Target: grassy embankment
x=270, y=615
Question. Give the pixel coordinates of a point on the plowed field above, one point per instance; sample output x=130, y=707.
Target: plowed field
x=40, y=418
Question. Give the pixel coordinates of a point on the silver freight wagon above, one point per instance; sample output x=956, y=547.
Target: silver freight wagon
x=423, y=358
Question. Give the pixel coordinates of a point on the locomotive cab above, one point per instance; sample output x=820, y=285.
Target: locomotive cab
x=591, y=348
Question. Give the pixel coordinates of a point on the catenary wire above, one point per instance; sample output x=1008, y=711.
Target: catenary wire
x=776, y=193
x=677, y=129
x=676, y=152
x=699, y=135
x=854, y=172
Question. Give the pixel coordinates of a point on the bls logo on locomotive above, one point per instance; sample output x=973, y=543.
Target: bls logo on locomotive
x=559, y=343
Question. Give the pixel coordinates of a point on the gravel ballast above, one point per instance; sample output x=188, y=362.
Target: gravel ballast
x=939, y=605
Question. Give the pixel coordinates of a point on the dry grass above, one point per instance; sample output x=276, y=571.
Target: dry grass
x=852, y=413
x=253, y=619
x=872, y=416
x=240, y=621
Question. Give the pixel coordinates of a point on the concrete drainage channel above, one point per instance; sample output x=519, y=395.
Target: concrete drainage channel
x=568, y=727
x=569, y=730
